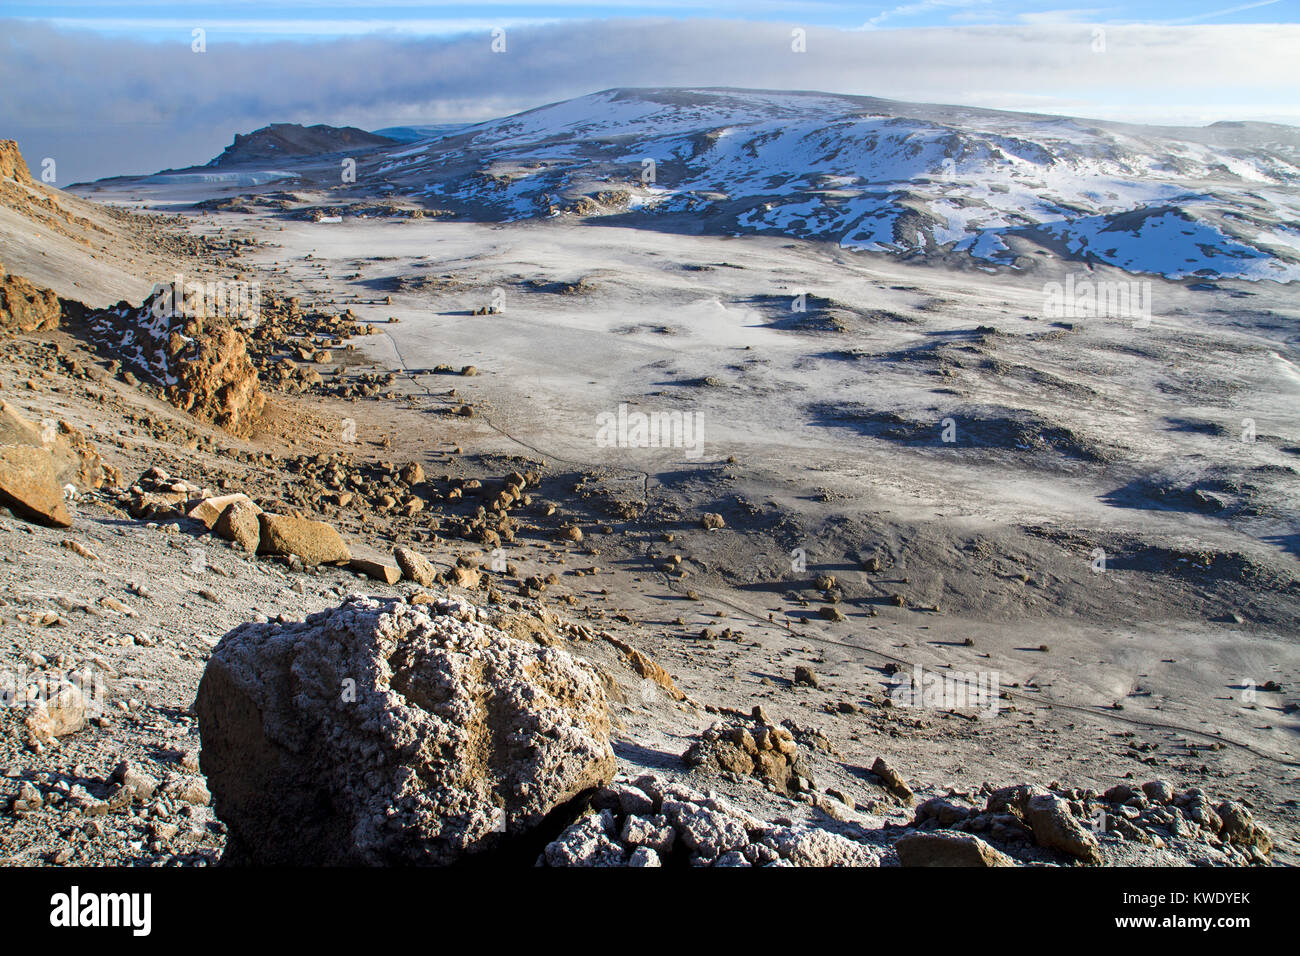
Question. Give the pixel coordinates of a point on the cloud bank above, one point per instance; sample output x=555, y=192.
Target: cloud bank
x=103, y=106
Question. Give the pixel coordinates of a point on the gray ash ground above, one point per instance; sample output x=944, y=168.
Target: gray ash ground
x=146, y=610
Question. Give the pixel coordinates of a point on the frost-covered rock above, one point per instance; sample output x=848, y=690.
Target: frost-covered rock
x=687, y=826
x=811, y=846
x=384, y=733
x=587, y=843
x=710, y=833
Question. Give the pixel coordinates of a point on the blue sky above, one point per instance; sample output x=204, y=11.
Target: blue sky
x=245, y=20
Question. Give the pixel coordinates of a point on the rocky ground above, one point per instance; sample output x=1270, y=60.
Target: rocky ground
x=746, y=724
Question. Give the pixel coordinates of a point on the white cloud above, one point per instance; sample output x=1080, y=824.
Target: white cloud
x=103, y=105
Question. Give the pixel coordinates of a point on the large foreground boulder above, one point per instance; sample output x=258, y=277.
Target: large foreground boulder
x=382, y=733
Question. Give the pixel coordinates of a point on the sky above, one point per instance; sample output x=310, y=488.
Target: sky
x=162, y=20
x=108, y=88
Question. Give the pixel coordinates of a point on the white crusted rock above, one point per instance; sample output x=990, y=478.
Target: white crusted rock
x=586, y=843
x=376, y=734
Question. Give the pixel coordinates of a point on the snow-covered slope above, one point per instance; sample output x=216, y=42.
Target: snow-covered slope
x=879, y=176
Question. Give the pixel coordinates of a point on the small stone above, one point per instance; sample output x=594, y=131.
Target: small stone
x=134, y=778
x=644, y=857
x=415, y=567
x=238, y=523
x=378, y=570
x=894, y=783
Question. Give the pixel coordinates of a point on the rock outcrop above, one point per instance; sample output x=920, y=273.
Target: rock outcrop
x=753, y=748
x=12, y=164
x=74, y=460
x=24, y=306
x=199, y=364
x=380, y=733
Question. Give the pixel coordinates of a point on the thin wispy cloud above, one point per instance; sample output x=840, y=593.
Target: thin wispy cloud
x=297, y=28
x=924, y=6
x=1228, y=11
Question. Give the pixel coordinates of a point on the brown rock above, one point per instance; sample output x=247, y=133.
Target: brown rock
x=1056, y=828
x=648, y=669
x=1240, y=828
x=28, y=486
x=379, y=570
x=206, y=371
x=948, y=849
x=464, y=577
x=26, y=307
x=238, y=523
x=893, y=782
x=208, y=510
x=766, y=751
x=59, y=713
x=218, y=383
x=415, y=567
x=75, y=461
x=314, y=542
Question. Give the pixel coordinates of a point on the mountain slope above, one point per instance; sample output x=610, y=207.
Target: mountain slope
x=82, y=250
x=880, y=176
x=283, y=140
x=956, y=184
